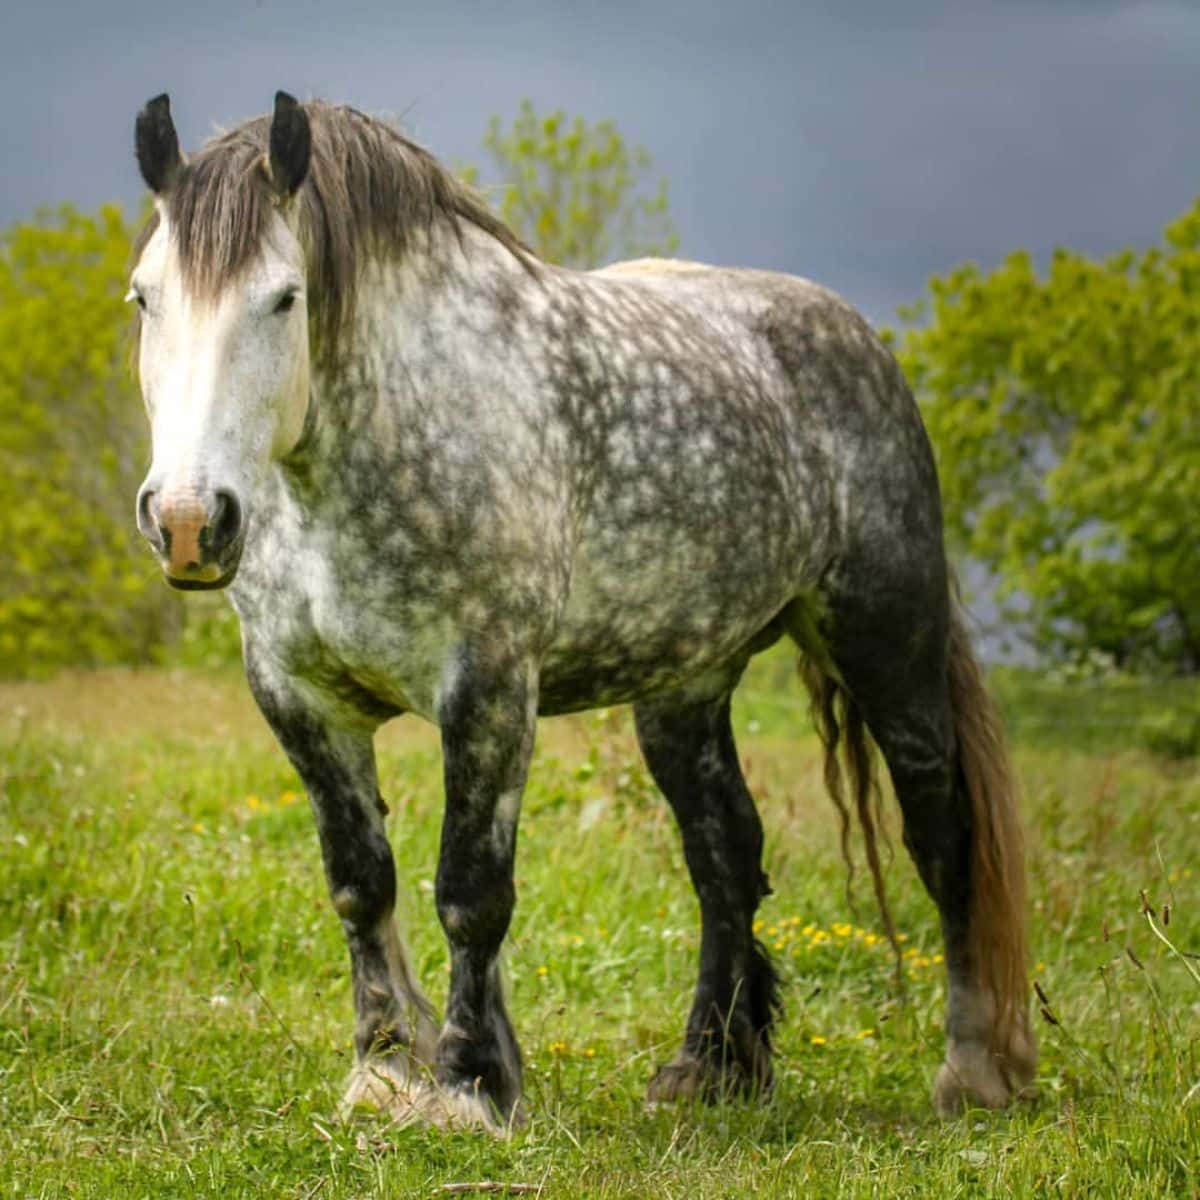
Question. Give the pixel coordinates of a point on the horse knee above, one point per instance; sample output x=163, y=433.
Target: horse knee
x=363, y=904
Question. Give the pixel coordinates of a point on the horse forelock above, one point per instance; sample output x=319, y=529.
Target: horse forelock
x=369, y=194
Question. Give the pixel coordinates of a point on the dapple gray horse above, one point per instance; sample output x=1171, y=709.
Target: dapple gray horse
x=439, y=476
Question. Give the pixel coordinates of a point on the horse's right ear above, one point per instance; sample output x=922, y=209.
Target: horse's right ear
x=157, y=146
x=290, y=145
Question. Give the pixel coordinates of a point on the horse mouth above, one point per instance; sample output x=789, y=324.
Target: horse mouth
x=203, y=577
x=197, y=583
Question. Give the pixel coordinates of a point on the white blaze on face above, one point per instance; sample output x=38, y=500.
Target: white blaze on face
x=225, y=380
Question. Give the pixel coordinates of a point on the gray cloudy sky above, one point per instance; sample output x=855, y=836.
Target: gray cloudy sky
x=864, y=144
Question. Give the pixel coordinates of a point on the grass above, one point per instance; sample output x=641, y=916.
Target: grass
x=175, y=1013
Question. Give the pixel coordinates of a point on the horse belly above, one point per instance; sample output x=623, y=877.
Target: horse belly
x=638, y=632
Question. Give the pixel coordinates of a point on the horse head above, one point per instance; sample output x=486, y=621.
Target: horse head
x=223, y=352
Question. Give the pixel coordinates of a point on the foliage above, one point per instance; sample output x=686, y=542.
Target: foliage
x=76, y=585
x=576, y=192
x=211, y=638
x=1172, y=732
x=1065, y=413
x=176, y=1016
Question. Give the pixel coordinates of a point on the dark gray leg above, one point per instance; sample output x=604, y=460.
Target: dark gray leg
x=688, y=746
x=895, y=662
x=488, y=719
x=395, y=1027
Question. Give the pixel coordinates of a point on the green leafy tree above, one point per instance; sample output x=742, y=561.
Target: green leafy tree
x=576, y=192
x=1065, y=413
x=75, y=586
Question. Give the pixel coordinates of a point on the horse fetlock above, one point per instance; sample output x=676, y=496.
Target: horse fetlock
x=716, y=1071
x=488, y=1066
x=382, y=1039
x=976, y=1074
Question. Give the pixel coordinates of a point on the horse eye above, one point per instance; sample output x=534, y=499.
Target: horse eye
x=286, y=301
x=134, y=294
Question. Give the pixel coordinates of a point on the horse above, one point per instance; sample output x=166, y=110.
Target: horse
x=440, y=476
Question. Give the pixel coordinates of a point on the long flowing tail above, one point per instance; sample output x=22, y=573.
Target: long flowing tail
x=997, y=944
x=997, y=939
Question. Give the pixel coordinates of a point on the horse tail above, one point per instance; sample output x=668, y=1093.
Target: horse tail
x=997, y=941
x=849, y=759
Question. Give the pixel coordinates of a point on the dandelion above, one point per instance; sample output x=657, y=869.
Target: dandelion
x=817, y=1040
x=253, y=802
x=197, y=828
x=558, y=1048
x=589, y=1053
x=864, y=1033
x=543, y=970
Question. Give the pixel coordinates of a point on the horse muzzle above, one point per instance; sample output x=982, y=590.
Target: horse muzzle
x=197, y=533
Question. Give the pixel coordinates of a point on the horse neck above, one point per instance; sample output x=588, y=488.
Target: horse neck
x=408, y=318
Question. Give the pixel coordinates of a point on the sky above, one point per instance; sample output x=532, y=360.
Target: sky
x=867, y=145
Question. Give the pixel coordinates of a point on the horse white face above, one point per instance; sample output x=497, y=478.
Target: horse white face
x=225, y=381
x=224, y=372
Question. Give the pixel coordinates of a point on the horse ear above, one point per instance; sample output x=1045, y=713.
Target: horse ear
x=291, y=145
x=157, y=146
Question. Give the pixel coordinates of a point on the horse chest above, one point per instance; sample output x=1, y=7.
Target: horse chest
x=345, y=623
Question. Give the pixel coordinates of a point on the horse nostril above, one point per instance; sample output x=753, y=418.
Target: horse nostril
x=226, y=521
x=147, y=518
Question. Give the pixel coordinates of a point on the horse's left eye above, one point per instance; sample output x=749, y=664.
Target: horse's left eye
x=285, y=302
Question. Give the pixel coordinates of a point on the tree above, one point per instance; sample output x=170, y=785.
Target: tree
x=75, y=586
x=577, y=193
x=1065, y=414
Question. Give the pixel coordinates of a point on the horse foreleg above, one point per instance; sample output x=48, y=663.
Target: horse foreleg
x=395, y=1027
x=689, y=748
x=488, y=716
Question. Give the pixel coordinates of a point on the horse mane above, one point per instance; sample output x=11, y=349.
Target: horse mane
x=368, y=192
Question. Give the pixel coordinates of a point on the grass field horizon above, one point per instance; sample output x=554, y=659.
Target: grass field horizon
x=175, y=1012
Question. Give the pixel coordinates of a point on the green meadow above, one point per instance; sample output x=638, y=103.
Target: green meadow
x=175, y=1011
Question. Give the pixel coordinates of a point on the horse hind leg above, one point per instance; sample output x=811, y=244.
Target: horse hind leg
x=907, y=668
x=688, y=746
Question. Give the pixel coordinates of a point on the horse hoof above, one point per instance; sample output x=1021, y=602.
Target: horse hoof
x=975, y=1076
x=690, y=1078
x=683, y=1079
x=406, y=1094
